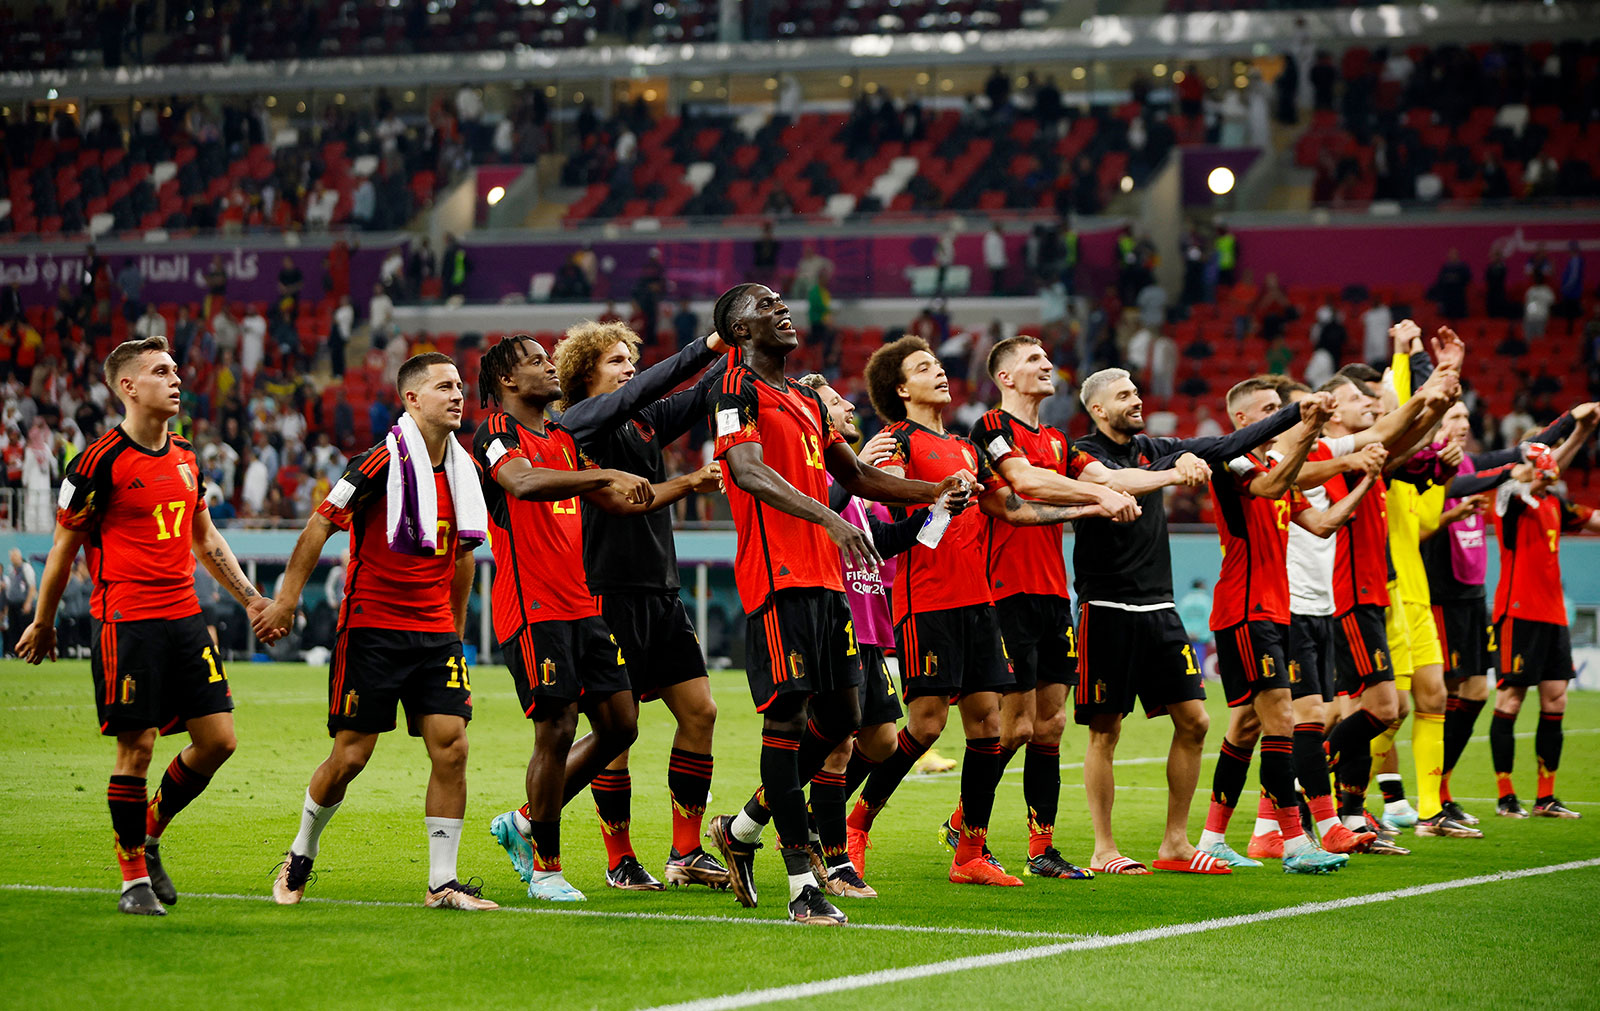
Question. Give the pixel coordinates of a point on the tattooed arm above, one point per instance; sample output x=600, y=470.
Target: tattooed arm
x=213, y=552
x=1004, y=504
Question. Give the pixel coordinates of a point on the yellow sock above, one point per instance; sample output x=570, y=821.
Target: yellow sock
x=1427, y=747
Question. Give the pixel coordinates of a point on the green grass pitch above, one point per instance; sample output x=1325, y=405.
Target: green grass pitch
x=1522, y=941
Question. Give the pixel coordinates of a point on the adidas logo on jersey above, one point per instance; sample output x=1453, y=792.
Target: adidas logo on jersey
x=137, y=483
x=783, y=570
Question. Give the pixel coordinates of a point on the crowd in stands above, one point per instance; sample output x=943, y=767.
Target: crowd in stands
x=1483, y=123
x=202, y=164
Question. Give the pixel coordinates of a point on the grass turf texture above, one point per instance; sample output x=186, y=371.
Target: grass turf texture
x=1491, y=942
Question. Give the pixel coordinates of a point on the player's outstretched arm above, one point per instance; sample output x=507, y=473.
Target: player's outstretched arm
x=594, y=417
x=1003, y=503
x=213, y=552
x=1587, y=417
x=705, y=481
x=1136, y=481
x=39, y=639
x=272, y=622
x=747, y=468
x=1040, y=485
x=880, y=485
x=461, y=589
x=1315, y=411
x=522, y=480
x=1214, y=449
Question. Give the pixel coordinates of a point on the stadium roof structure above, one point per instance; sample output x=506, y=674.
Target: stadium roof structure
x=1173, y=36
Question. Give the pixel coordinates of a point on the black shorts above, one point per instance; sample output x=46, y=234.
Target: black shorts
x=954, y=652
x=556, y=663
x=1310, y=650
x=375, y=668
x=1463, y=637
x=1361, y=650
x=657, y=640
x=157, y=673
x=1128, y=654
x=1250, y=659
x=879, y=701
x=801, y=641
x=1040, y=640
x=1533, y=651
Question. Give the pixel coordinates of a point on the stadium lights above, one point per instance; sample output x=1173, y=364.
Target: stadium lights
x=1220, y=181
x=495, y=195
x=1127, y=184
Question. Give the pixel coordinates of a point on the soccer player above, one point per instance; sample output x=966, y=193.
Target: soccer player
x=561, y=653
x=1530, y=619
x=872, y=620
x=632, y=568
x=1364, y=671
x=400, y=626
x=777, y=444
x=1455, y=554
x=136, y=501
x=1130, y=640
x=1027, y=575
x=1256, y=504
x=947, y=632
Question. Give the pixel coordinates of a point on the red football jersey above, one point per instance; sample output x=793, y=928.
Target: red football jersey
x=1361, y=557
x=777, y=551
x=382, y=587
x=1025, y=559
x=1530, y=559
x=1254, y=583
x=955, y=574
x=138, y=507
x=538, y=546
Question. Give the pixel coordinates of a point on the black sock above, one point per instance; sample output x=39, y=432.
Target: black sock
x=1547, y=746
x=881, y=784
x=1502, y=740
x=1041, y=785
x=1460, y=716
x=1310, y=760
x=827, y=807
x=546, y=837
x=179, y=785
x=689, y=779
x=816, y=744
x=125, y=795
x=780, y=783
x=1233, y=766
x=1393, y=787
x=857, y=771
x=1277, y=769
x=980, y=774
x=612, y=791
x=1350, y=746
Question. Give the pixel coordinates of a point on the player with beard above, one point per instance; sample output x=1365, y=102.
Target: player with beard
x=1365, y=675
x=1256, y=504
x=1027, y=575
x=632, y=567
x=1455, y=554
x=778, y=445
x=1530, y=616
x=947, y=632
x=1130, y=640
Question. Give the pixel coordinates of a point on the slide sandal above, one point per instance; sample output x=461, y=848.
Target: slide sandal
x=1200, y=863
x=1121, y=865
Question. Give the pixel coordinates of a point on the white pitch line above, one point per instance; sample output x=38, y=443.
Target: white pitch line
x=839, y=984
x=902, y=928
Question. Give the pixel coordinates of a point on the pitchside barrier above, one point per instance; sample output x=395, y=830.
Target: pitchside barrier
x=706, y=558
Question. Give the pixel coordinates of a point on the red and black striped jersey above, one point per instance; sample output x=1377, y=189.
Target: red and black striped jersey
x=384, y=588
x=777, y=551
x=1026, y=559
x=1254, y=583
x=1530, y=558
x=138, y=507
x=538, y=546
x=955, y=574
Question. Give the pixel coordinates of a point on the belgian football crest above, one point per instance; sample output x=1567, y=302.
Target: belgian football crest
x=351, y=703
x=1380, y=660
x=187, y=473
x=797, y=665
x=547, y=672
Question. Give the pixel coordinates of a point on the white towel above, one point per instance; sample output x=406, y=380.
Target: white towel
x=413, y=504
